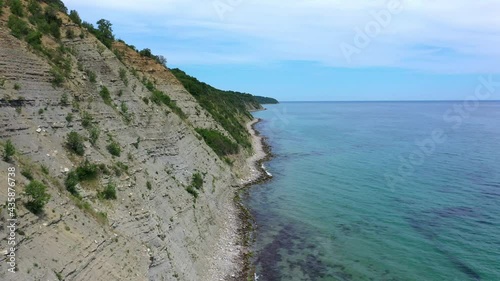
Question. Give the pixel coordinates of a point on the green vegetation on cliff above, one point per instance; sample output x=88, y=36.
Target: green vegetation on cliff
x=228, y=108
x=220, y=144
x=266, y=100
x=38, y=197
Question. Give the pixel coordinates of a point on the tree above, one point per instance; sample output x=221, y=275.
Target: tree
x=146, y=53
x=75, y=17
x=105, y=32
x=9, y=151
x=162, y=60
x=38, y=197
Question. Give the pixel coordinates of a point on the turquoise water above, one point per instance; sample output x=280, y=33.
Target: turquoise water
x=333, y=210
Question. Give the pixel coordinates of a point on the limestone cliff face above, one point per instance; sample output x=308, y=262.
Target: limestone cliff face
x=155, y=229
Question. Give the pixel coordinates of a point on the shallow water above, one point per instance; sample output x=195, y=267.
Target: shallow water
x=330, y=212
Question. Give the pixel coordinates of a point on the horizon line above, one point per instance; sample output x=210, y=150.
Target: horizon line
x=311, y=101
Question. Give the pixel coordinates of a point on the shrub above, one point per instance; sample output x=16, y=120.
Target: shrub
x=69, y=117
x=148, y=185
x=105, y=95
x=192, y=191
x=86, y=119
x=35, y=8
x=16, y=7
x=17, y=87
x=122, y=166
x=124, y=107
x=87, y=171
x=19, y=28
x=219, y=143
x=1, y=7
x=9, y=151
x=108, y=193
x=114, y=148
x=57, y=77
x=197, y=181
x=74, y=142
x=136, y=144
x=53, y=21
x=71, y=182
x=64, y=100
x=91, y=75
x=94, y=133
x=34, y=38
x=36, y=191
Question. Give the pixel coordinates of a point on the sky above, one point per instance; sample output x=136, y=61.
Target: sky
x=320, y=50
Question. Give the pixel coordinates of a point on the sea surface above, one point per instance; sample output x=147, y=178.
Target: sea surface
x=379, y=191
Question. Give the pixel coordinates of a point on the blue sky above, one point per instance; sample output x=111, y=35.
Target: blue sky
x=318, y=49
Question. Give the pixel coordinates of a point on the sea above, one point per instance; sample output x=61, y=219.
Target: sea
x=379, y=191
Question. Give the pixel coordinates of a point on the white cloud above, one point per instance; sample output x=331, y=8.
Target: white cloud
x=441, y=36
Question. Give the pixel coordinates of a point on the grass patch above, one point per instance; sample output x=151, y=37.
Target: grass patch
x=123, y=76
x=8, y=151
x=27, y=173
x=109, y=192
x=197, y=181
x=44, y=169
x=105, y=95
x=159, y=98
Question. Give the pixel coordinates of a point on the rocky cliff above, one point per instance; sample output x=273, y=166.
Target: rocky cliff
x=126, y=127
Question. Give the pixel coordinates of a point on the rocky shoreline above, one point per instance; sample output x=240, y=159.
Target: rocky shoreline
x=259, y=175
x=231, y=261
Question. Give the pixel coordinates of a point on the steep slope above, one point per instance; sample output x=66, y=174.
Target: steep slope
x=161, y=226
